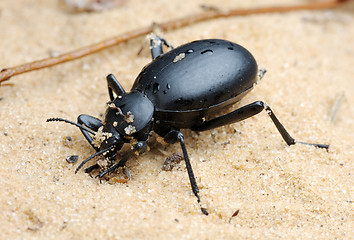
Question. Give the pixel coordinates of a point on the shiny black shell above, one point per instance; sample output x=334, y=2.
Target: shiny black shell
x=196, y=78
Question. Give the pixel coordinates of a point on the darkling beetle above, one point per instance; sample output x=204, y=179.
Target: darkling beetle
x=178, y=89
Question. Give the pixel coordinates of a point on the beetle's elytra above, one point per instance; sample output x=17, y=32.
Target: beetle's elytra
x=178, y=89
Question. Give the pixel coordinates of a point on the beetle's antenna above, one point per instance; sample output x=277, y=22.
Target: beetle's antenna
x=92, y=156
x=72, y=123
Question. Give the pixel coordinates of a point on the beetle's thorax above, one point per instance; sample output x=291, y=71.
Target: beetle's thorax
x=131, y=115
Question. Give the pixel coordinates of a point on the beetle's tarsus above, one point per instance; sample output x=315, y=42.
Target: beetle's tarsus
x=100, y=177
x=317, y=145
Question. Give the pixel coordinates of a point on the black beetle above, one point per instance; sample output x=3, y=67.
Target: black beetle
x=179, y=89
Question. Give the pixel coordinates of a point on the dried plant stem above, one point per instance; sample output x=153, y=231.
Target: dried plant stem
x=7, y=73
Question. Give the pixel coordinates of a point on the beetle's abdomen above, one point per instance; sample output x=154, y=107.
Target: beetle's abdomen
x=197, y=75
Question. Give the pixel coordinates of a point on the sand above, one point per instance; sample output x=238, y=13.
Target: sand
x=284, y=192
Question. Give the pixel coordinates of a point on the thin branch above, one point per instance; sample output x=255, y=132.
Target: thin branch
x=7, y=73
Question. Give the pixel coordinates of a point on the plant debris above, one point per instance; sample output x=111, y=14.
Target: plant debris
x=235, y=214
x=171, y=161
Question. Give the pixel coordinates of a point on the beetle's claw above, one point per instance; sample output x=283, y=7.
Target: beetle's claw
x=100, y=176
x=204, y=211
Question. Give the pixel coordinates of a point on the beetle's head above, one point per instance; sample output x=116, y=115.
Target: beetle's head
x=108, y=137
x=131, y=116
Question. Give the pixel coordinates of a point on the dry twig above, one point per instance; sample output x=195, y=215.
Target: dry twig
x=7, y=73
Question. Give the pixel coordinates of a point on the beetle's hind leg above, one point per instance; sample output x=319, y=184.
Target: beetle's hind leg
x=156, y=43
x=247, y=112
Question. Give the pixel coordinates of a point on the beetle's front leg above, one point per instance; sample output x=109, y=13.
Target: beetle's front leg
x=177, y=136
x=92, y=123
x=139, y=147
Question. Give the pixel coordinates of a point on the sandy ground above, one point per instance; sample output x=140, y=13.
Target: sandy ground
x=280, y=191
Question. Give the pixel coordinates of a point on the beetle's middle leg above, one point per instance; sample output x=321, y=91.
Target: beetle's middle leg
x=247, y=112
x=177, y=136
x=114, y=87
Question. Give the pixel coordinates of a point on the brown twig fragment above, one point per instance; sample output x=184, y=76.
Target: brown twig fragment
x=7, y=73
x=234, y=215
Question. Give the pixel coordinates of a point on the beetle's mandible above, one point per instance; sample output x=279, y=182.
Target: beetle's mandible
x=179, y=89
